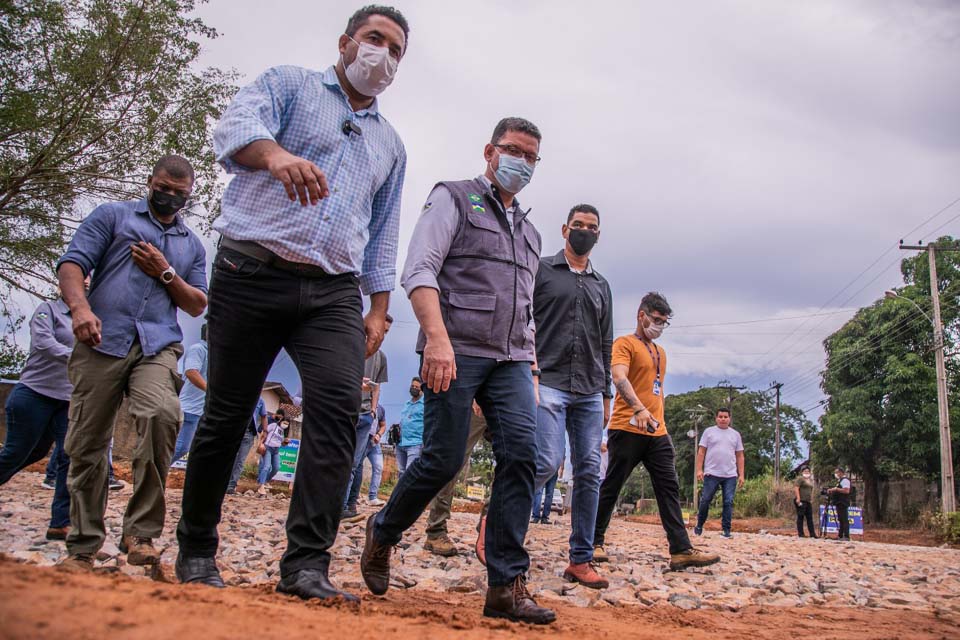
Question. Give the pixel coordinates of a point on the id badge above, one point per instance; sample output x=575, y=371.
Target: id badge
x=656, y=387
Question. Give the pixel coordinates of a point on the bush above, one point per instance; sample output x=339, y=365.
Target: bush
x=753, y=500
x=945, y=526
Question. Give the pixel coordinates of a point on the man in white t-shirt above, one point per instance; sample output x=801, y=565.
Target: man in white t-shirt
x=719, y=466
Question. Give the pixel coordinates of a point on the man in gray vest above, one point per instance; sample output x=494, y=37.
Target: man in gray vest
x=469, y=274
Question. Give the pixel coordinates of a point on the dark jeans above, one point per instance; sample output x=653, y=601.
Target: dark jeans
x=34, y=423
x=710, y=486
x=843, y=520
x=254, y=311
x=805, y=512
x=543, y=499
x=627, y=450
x=504, y=391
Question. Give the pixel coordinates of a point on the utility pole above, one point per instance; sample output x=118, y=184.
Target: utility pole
x=730, y=389
x=697, y=415
x=947, y=487
x=776, y=443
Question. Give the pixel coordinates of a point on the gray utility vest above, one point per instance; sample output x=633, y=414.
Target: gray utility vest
x=486, y=282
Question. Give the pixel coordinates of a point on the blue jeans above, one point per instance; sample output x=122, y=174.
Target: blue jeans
x=185, y=437
x=581, y=416
x=356, y=475
x=710, y=486
x=53, y=464
x=248, y=437
x=269, y=465
x=374, y=454
x=504, y=391
x=34, y=423
x=543, y=499
x=406, y=456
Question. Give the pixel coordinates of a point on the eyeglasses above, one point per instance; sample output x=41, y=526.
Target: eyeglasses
x=660, y=322
x=517, y=152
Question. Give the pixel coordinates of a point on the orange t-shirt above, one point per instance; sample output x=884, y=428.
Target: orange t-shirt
x=641, y=360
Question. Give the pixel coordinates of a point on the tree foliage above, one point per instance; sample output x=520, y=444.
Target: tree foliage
x=881, y=415
x=92, y=93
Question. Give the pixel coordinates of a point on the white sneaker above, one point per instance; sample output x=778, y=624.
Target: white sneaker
x=376, y=502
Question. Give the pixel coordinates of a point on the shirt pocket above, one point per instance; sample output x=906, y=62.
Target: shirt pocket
x=470, y=314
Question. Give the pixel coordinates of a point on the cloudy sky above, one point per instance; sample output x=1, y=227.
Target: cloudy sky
x=750, y=160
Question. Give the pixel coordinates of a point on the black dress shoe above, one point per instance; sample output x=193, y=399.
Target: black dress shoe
x=197, y=570
x=312, y=583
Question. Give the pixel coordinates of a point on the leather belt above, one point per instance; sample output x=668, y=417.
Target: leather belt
x=261, y=254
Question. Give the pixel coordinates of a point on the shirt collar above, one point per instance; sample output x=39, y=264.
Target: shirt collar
x=330, y=79
x=143, y=208
x=495, y=191
x=560, y=260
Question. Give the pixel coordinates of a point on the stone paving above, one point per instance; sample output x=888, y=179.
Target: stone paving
x=756, y=569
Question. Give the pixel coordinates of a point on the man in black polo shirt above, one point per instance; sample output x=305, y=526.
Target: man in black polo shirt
x=573, y=311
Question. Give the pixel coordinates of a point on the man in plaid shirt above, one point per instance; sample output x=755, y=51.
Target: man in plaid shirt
x=309, y=223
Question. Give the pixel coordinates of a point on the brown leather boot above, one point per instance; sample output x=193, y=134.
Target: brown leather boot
x=586, y=575
x=480, y=548
x=514, y=602
x=78, y=562
x=375, y=562
x=599, y=554
x=140, y=551
x=441, y=546
x=692, y=557
x=57, y=533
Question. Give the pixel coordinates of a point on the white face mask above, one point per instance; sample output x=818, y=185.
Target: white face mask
x=806, y=475
x=653, y=330
x=372, y=71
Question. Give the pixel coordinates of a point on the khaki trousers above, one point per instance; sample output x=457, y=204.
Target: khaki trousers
x=442, y=504
x=151, y=385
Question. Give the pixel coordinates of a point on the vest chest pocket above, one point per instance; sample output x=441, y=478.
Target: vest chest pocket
x=470, y=315
x=483, y=235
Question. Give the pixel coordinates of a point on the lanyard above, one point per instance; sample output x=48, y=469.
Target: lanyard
x=655, y=361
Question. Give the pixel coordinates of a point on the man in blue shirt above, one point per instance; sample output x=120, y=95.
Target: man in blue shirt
x=411, y=427
x=36, y=409
x=309, y=223
x=146, y=264
x=193, y=393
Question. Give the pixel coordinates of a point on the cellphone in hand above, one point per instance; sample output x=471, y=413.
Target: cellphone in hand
x=652, y=425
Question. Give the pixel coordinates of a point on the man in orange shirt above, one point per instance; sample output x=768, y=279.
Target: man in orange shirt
x=638, y=434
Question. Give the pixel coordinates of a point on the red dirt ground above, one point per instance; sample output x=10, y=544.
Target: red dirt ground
x=40, y=603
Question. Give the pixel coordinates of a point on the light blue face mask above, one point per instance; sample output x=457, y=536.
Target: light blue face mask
x=513, y=173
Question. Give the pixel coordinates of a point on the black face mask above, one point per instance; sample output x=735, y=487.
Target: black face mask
x=166, y=204
x=414, y=392
x=581, y=241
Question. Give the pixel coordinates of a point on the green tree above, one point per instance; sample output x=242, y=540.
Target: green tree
x=92, y=92
x=881, y=416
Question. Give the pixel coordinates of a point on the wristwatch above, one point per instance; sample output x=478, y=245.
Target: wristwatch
x=168, y=274
x=536, y=372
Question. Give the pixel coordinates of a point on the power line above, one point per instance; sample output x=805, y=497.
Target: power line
x=896, y=331
x=864, y=272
